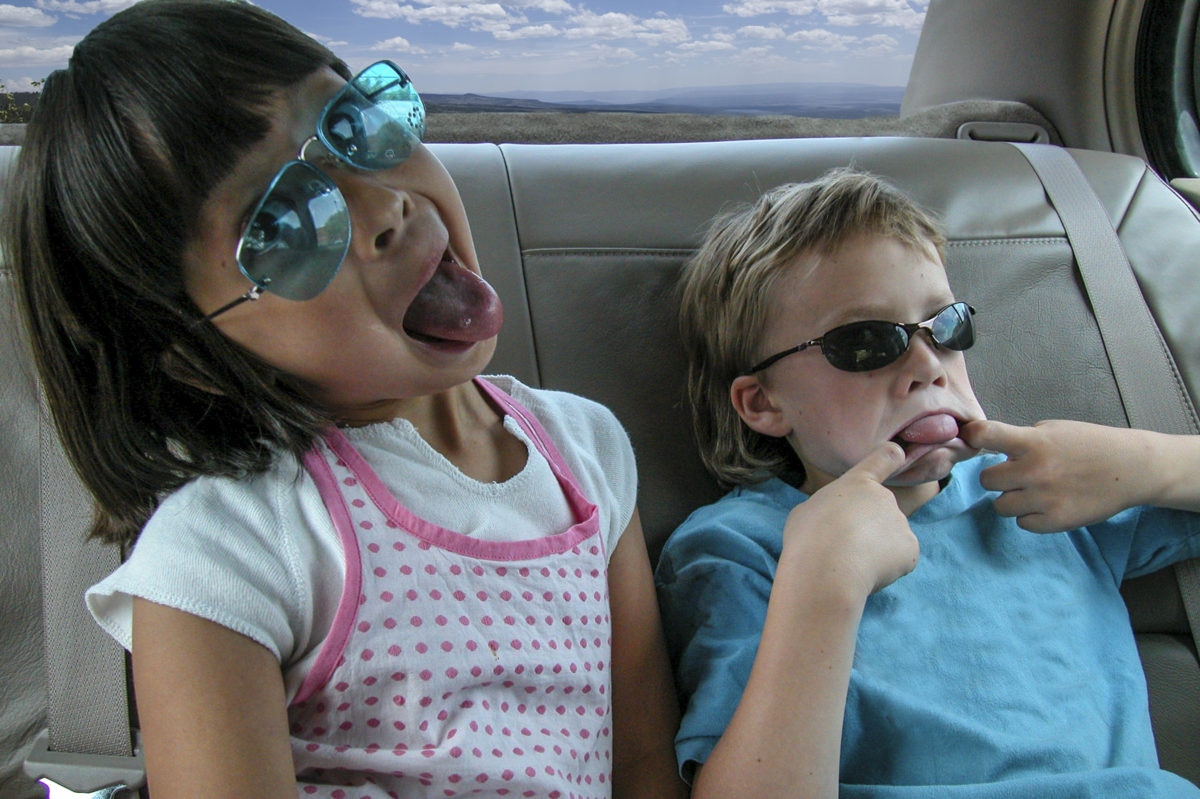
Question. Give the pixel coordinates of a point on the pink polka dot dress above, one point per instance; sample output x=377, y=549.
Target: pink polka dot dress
x=456, y=666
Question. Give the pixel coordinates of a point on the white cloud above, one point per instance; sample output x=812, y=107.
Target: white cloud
x=828, y=41
x=882, y=13
x=615, y=25
x=758, y=8
x=707, y=46
x=23, y=84
x=332, y=44
x=527, y=32
x=880, y=44
x=608, y=53
x=547, y=6
x=821, y=39
x=85, y=6
x=664, y=30
x=398, y=44
x=26, y=54
x=450, y=14
x=610, y=25
x=906, y=14
x=762, y=32
x=24, y=17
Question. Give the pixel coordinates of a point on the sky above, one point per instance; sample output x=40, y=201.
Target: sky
x=513, y=46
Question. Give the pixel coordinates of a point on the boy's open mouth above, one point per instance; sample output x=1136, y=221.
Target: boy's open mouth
x=455, y=305
x=927, y=431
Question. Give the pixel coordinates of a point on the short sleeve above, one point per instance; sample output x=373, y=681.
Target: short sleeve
x=239, y=553
x=1142, y=540
x=714, y=583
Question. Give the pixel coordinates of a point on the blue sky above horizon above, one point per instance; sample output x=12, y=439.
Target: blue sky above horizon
x=506, y=46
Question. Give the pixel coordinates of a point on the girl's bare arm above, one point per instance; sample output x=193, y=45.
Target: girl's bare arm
x=645, y=708
x=211, y=708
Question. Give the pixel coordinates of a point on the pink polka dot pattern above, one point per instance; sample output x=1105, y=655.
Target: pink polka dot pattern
x=461, y=676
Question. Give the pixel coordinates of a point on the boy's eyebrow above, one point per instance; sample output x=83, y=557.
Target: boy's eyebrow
x=870, y=312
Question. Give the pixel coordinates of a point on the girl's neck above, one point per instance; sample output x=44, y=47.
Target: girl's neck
x=467, y=429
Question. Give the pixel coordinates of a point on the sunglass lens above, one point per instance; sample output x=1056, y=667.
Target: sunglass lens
x=298, y=234
x=953, y=328
x=376, y=120
x=863, y=346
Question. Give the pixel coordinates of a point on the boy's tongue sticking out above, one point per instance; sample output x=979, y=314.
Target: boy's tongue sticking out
x=935, y=428
x=456, y=305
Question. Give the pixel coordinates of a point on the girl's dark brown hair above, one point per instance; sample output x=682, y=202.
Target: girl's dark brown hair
x=155, y=107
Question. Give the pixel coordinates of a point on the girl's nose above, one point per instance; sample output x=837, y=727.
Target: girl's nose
x=378, y=213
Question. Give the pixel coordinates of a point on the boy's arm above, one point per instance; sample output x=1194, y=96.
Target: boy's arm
x=848, y=540
x=1063, y=474
x=645, y=705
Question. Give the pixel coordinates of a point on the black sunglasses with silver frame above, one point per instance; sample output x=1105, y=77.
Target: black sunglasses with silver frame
x=865, y=346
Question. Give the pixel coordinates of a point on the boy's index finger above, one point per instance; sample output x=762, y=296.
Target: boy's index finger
x=881, y=463
x=996, y=436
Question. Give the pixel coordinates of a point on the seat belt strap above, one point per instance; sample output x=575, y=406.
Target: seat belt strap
x=1188, y=574
x=88, y=744
x=1148, y=379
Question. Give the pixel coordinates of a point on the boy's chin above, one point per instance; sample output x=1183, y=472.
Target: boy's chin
x=928, y=463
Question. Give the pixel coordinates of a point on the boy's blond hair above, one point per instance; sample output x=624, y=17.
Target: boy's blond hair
x=727, y=286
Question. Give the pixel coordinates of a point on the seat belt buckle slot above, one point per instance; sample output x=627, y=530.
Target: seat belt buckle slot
x=83, y=773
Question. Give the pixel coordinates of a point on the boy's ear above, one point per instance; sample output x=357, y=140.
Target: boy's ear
x=754, y=404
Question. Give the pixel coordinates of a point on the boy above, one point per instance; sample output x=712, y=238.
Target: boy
x=860, y=614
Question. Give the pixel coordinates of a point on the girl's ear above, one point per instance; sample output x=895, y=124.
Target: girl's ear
x=754, y=404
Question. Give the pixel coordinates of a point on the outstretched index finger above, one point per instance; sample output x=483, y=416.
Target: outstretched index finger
x=996, y=436
x=880, y=463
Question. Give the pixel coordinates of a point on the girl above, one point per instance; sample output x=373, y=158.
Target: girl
x=360, y=569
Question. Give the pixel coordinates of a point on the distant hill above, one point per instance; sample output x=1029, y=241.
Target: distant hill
x=819, y=100
x=809, y=100
x=814, y=100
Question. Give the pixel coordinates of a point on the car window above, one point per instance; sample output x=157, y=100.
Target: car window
x=1167, y=77
x=837, y=60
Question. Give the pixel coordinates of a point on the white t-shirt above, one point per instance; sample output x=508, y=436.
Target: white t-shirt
x=260, y=556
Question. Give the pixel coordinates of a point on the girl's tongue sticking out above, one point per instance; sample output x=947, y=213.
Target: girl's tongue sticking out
x=455, y=305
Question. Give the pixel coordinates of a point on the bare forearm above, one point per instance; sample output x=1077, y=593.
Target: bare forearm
x=645, y=710
x=1060, y=474
x=1176, y=459
x=848, y=540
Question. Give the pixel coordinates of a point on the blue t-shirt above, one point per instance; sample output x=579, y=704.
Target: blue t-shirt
x=1003, y=665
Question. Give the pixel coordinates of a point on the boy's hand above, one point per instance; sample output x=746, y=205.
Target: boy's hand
x=854, y=527
x=1062, y=474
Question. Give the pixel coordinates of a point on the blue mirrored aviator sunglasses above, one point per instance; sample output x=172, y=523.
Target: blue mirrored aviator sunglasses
x=299, y=233
x=864, y=346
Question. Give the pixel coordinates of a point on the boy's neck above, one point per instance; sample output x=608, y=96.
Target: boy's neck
x=910, y=498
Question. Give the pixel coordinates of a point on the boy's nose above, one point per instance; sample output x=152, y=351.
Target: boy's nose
x=922, y=362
